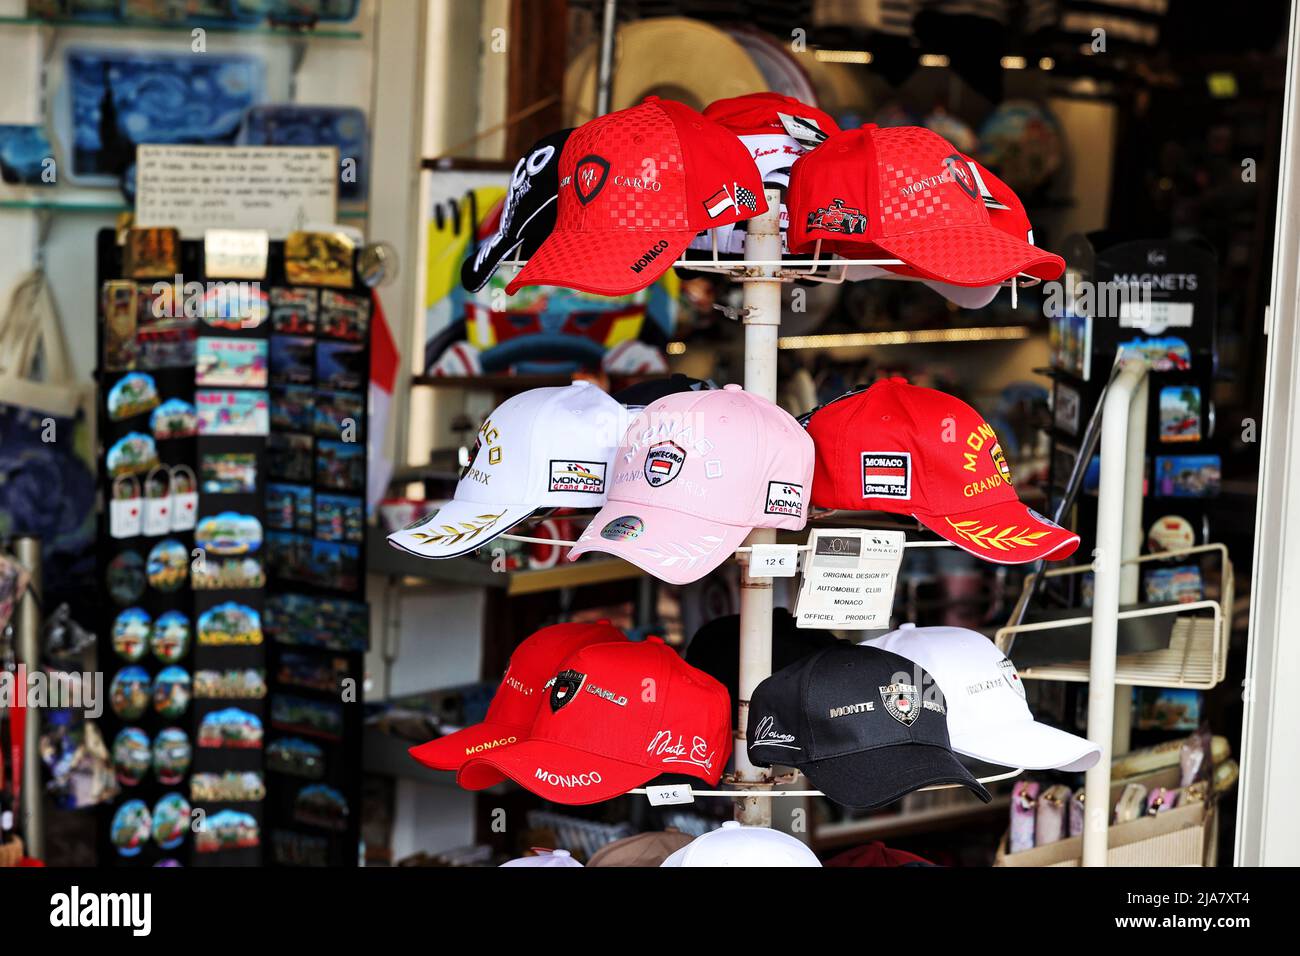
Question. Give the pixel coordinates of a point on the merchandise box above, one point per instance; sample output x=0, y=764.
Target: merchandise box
x=1184, y=836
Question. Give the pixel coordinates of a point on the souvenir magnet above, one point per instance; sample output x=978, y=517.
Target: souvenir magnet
x=168, y=565
x=131, y=634
x=171, y=821
x=171, y=756
x=120, y=308
x=130, y=828
x=125, y=578
x=171, y=691
x=152, y=253
x=134, y=394
x=132, y=756
x=128, y=694
x=169, y=638
x=319, y=258
x=1170, y=533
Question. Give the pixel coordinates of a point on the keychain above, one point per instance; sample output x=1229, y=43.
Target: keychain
x=158, y=502
x=185, y=498
x=126, y=512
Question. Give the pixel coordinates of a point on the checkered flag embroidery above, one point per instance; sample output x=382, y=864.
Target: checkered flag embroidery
x=746, y=198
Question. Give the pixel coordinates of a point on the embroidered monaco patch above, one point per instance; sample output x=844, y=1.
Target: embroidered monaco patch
x=569, y=475
x=784, y=498
x=887, y=474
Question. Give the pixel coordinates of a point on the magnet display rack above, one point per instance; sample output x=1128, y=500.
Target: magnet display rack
x=296, y=627
x=126, y=580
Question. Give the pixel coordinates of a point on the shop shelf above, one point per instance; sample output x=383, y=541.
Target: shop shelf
x=849, y=833
x=323, y=33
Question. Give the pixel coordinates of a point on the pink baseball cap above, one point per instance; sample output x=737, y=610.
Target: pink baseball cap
x=698, y=471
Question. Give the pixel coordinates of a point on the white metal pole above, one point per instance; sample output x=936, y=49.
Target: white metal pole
x=605, y=68
x=1134, y=529
x=762, y=301
x=1105, y=606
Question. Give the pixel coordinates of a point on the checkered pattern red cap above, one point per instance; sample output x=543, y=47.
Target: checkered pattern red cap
x=917, y=451
x=905, y=192
x=635, y=188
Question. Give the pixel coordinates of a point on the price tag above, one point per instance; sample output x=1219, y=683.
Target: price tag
x=669, y=795
x=774, y=561
x=235, y=253
x=849, y=579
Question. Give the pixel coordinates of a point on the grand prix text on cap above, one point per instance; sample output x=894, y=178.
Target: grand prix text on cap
x=917, y=451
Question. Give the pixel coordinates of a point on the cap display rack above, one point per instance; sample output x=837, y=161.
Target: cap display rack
x=762, y=272
x=1197, y=651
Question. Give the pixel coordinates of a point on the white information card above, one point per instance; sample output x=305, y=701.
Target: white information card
x=848, y=579
x=196, y=188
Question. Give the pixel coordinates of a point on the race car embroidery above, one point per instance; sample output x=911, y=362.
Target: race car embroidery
x=837, y=218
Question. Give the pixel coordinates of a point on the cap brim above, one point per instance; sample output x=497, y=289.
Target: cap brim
x=604, y=262
x=459, y=527
x=875, y=778
x=451, y=751
x=1029, y=745
x=556, y=772
x=972, y=255
x=672, y=546
x=1006, y=533
x=964, y=297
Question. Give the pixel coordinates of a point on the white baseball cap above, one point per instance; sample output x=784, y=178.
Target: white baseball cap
x=543, y=448
x=736, y=845
x=562, y=858
x=988, y=718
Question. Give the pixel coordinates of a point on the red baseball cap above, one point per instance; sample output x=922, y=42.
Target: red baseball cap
x=903, y=449
x=905, y=192
x=616, y=716
x=635, y=188
x=511, y=713
x=776, y=129
x=1006, y=212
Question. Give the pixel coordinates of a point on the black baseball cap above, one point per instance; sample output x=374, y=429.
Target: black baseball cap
x=715, y=648
x=652, y=389
x=858, y=725
x=527, y=213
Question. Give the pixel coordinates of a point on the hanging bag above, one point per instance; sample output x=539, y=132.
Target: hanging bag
x=46, y=484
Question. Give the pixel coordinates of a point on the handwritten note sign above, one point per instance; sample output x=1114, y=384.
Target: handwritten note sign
x=196, y=188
